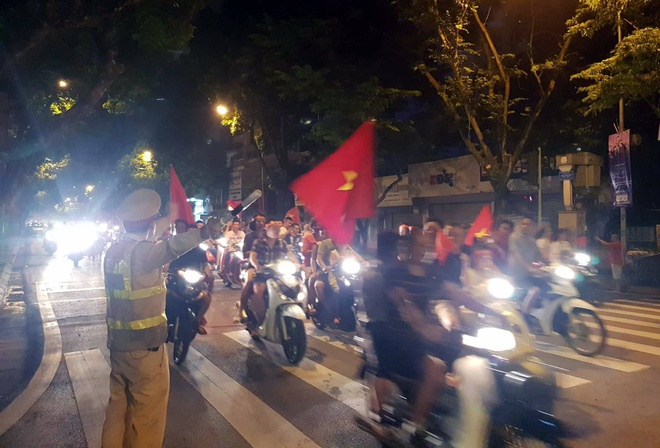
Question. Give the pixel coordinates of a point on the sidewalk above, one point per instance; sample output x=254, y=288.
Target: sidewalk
x=17, y=347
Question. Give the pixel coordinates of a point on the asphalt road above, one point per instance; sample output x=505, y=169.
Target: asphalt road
x=233, y=393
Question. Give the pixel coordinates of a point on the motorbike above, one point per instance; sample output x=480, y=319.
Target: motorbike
x=586, y=277
x=339, y=309
x=505, y=395
x=75, y=240
x=184, y=287
x=235, y=264
x=284, y=320
x=562, y=310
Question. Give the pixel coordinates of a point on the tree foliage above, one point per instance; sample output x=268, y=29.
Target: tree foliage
x=493, y=76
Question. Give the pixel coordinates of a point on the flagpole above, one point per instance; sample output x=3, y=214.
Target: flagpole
x=540, y=198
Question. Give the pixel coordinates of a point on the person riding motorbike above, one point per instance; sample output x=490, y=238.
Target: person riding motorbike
x=524, y=259
x=326, y=255
x=234, y=237
x=264, y=252
x=294, y=241
x=194, y=259
x=257, y=227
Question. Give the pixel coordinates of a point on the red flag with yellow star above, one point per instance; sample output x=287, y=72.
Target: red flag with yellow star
x=339, y=190
x=481, y=226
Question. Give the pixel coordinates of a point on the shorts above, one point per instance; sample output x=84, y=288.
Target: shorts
x=616, y=271
x=399, y=353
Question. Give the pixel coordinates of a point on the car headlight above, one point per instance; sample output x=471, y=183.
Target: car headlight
x=565, y=272
x=204, y=246
x=582, y=259
x=350, y=266
x=500, y=288
x=492, y=339
x=286, y=267
x=191, y=276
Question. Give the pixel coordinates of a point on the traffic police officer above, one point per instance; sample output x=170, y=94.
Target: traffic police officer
x=137, y=325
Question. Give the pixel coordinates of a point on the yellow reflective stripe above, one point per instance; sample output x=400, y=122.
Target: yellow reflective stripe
x=137, y=294
x=141, y=324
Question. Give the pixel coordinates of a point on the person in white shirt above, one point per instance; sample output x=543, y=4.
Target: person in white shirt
x=234, y=237
x=561, y=246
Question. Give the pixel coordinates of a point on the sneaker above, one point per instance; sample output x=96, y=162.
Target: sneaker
x=202, y=330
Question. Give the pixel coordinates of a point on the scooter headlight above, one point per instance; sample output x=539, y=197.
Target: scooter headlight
x=191, y=276
x=350, y=266
x=582, y=259
x=286, y=267
x=51, y=235
x=500, y=288
x=204, y=246
x=565, y=272
x=492, y=339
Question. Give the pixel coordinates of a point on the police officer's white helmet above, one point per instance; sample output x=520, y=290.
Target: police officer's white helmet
x=140, y=205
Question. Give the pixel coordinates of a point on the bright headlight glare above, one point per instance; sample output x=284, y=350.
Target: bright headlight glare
x=204, y=246
x=103, y=227
x=191, y=276
x=565, y=272
x=222, y=241
x=582, y=259
x=51, y=235
x=492, y=339
x=350, y=266
x=500, y=288
x=286, y=267
x=301, y=296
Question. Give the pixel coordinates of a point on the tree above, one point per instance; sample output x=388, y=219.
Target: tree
x=494, y=70
x=632, y=73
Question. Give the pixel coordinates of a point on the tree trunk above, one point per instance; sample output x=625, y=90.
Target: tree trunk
x=502, y=194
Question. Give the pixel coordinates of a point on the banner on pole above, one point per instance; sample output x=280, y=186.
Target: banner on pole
x=620, y=172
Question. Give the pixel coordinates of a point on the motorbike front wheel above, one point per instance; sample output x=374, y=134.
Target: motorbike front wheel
x=296, y=344
x=585, y=332
x=182, y=339
x=180, y=350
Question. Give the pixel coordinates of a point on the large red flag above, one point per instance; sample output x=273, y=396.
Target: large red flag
x=294, y=213
x=443, y=246
x=179, y=199
x=481, y=226
x=339, y=190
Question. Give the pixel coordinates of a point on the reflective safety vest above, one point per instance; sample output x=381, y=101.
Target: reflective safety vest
x=136, y=317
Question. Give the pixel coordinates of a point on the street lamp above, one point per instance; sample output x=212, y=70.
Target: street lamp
x=89, y=188
x=62, y=84
x=221, y=110
x=147, y=156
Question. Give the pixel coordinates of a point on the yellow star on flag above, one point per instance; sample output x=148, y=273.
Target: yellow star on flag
x=482, y=234
x=350, y=177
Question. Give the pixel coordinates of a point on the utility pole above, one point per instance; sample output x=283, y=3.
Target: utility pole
x=624, y=224
x=540, y=198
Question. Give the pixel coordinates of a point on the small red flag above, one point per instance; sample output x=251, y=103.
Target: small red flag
x=294, y=213
x=339, y=190
x=179, y=199
x=481, y=225
x=443, y=246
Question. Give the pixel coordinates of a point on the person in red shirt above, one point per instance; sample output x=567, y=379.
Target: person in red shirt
x=616, y=259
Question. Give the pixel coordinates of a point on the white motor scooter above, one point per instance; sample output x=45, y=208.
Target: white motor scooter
x=284, y=321
x=561, y=310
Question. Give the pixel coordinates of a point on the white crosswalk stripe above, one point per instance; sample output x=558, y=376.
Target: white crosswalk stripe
x=623, y=320
x=600, y=360
x=346, y=390
x=616, y=305
x=608, y=311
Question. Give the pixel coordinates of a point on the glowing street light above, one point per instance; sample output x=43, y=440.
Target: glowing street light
x=89, y=188
x=147, y=156
x=221, y=110
x=62, y=84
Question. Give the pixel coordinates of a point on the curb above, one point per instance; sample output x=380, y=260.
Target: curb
x=6, y=273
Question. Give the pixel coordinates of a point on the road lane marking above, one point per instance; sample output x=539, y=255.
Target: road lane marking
x=56, y=291
x=614, y=305
x=90, y=377
x=643, y=334
x=651, y=350
x=50, y=360
x=629, y=313
x=655, y=305
x=600, y=360
x=77, y=300
x=623, y=320
x=256, y=422
x=565, y=381
x=341, y=388
x=343, y=342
